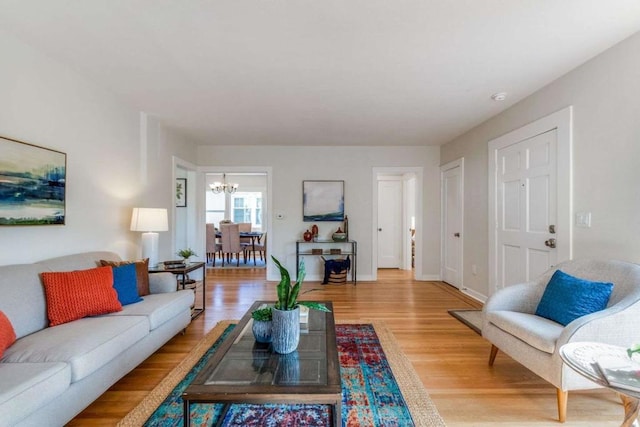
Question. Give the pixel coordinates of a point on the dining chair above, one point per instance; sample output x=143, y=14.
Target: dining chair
x=231, y=243
x=261, y=247
x=213, y=246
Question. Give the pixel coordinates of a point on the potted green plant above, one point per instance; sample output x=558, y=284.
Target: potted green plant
x=186, y=253
x=285, y=328
x=262, y=324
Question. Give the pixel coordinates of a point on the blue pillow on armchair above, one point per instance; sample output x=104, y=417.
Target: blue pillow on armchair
x=566, y=298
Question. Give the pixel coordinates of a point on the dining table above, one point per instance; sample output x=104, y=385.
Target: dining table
x=253, y=235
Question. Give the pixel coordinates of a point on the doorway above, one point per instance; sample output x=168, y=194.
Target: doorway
x=397, y=208
x=239, y=197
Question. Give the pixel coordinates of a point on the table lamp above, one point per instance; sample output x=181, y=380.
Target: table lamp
x=149, y=221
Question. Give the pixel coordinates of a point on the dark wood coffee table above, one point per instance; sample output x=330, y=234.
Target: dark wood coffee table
x=244, y=371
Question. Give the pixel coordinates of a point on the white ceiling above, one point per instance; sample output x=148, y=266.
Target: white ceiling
x=321, y=72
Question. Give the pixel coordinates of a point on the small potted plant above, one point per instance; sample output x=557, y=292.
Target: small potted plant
x=285, y=330
x=186, y=253
x=262, y=324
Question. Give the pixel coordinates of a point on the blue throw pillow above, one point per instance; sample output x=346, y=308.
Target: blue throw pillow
x=566, y=298
x=125, y=283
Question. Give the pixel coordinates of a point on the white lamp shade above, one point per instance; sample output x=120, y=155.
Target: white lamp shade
x=149, y=219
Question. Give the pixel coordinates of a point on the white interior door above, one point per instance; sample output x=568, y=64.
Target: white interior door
x=526, y=206
x=530, y=227
x=452, y=216
x=390, y=223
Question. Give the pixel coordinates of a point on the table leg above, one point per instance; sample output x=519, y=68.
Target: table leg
x=631, y=409
x=337, y=414
x=187, y=413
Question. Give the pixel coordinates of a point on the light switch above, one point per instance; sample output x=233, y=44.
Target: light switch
x=583, y=219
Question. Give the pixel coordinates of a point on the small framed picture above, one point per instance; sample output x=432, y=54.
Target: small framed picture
x=181, y=192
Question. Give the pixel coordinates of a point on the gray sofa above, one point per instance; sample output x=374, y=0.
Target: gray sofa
x=50, y=374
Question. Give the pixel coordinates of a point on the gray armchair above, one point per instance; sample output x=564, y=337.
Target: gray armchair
x=510, y=324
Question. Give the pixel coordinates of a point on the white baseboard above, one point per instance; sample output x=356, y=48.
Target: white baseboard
x=475, y=295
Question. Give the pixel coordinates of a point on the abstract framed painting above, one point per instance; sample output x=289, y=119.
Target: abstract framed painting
x=322, y=201
x=32, y=184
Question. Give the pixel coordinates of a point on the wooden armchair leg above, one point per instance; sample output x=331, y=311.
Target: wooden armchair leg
x=562, y=404
x=493, y=354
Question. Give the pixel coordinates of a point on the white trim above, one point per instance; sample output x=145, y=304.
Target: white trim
x=458, y=163
x=475, y=295
x=562, y=122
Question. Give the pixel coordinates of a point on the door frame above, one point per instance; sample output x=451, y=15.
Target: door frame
x=562, y=122
x=406, y=172
x=268, y=217
x=458, y=163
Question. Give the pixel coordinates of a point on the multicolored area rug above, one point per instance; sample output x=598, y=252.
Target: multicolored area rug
x=380, y=388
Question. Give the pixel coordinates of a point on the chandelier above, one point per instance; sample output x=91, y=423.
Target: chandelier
x=220, y=187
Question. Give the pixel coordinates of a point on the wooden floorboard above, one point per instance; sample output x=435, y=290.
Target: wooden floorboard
x=450, y=358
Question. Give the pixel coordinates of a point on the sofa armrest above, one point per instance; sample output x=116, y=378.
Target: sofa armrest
x=160, y=283
x=615, y=325
x=523, y=298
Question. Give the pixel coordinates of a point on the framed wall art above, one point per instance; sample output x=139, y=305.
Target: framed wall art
x=32, y=184
x=322, y=201
x=181, y=192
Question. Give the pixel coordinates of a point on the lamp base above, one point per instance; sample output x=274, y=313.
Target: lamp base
x=150, y=247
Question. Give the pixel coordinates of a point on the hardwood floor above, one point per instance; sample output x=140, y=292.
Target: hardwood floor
x=449, y=357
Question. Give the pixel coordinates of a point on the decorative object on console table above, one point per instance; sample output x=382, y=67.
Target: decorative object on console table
x=316, y=251
x=149, y=221
x=32, y=184
x=285, y=332
x=307, y=236
x=322, y=201
x=339, y=236
x=181, y=192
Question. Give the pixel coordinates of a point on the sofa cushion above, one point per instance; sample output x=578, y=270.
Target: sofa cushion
x=142, y=273
x=29, y=386
x=73, y=295
x=159, y=308
x=125, y=284
x=85, y=344
x=536, y=331
x=7, y=334
x=567, y=297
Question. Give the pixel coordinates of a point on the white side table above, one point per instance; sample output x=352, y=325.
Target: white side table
x=581, y=356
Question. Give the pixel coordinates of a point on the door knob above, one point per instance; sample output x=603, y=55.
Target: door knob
x=551, y=243
x=379, y=229
x=456, y=234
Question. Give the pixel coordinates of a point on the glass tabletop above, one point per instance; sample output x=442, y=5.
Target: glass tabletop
x=248, y=362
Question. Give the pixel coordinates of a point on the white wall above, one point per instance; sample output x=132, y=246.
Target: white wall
x=47, y=104
x=354, y=165
x=605, y=94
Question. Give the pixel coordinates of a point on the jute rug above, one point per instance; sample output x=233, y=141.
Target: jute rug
x=422, y=409
x=471, y=318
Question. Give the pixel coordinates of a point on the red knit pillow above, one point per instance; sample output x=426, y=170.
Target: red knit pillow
x=73, y=295
x=7, y=334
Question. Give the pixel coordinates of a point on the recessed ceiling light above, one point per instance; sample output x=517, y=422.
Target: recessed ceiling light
x=500, y=96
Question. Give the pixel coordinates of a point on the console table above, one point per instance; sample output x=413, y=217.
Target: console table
x=304, y=248
x=185, y=283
